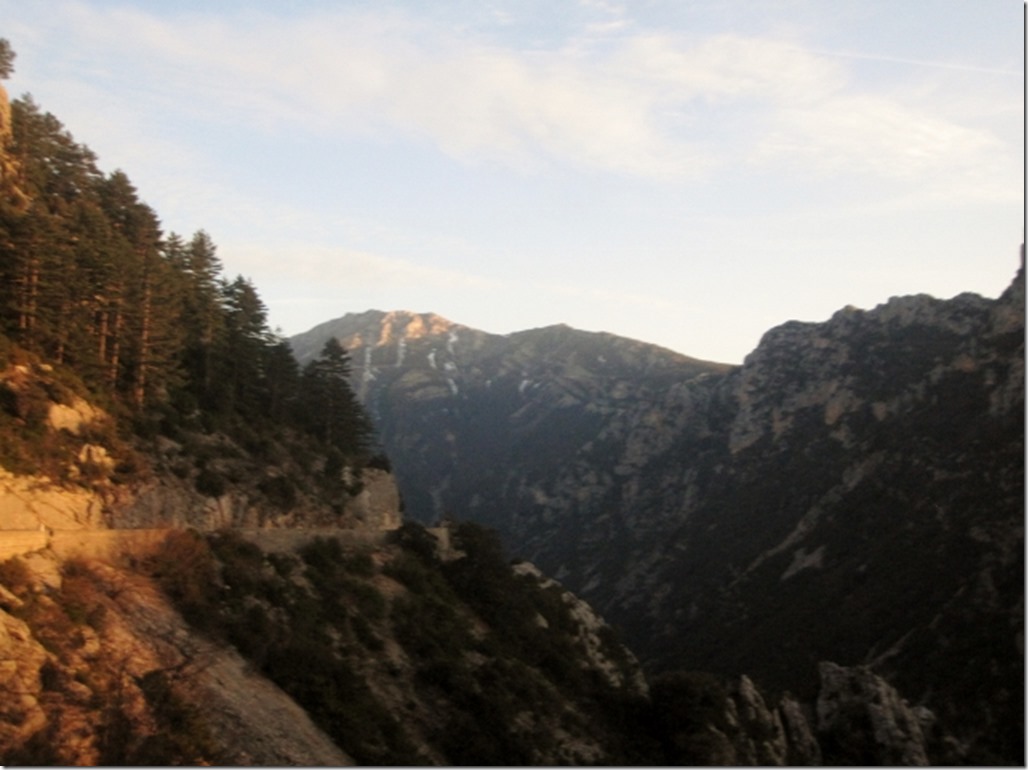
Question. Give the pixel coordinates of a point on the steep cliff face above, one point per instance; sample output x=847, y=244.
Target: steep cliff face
x=862, y=502
x=858, y=496
x=853, y=492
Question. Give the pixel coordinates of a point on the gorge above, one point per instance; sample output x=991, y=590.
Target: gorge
x=853, y=492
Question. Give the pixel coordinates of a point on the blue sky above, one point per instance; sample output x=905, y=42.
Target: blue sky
x=684, y=172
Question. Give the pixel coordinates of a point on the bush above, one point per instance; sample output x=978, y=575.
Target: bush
x=369, y=600
x=365, y=634
x=688, y=707
x=419, y=577
x=360, y=564
x=16, y=577
x=210, y=483
x=280, y=491
x=414, y=538
x=184, y=738
x=283, y=564
x=429, y=629
x=322, y=554
x=79, y=596
x=242, y=563
x=186, y=570
x=380, y=462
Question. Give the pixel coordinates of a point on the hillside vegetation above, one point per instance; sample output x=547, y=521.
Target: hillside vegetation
x=144, y=321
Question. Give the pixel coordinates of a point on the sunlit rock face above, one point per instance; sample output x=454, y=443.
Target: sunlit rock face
x=67, y=683
x=853, y=492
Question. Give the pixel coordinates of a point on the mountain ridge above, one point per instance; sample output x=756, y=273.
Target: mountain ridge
x=424, y=323
x=857, y=479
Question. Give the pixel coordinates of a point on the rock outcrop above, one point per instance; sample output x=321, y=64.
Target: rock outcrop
x=595, y=638
x=857, y=718
x=35, y=502
x=865, y=721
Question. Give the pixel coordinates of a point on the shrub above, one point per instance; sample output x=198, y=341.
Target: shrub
x=280, y=491
x=210, y=483
x=184, y=737
x=380, y=462
x=283, y=564
x=334, y=464
x=428, y=628
x=365, y=634
x=16, y=577
x=414, y=538
x=418, y=577
x=322, y=554
x=186, y=570
x=80, y=597
x=242, y=563
x=360, y=564
x=369, y=600
x=686, y=705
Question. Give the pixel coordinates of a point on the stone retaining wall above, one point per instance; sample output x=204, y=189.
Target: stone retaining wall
x=15, y=542
x=110, y=544
x=105, y=544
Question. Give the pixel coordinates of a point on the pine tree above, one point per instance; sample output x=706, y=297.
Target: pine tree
x=87, y=280
x=203, y=312
x=138, y=225
x=6, y=59
x=239, y=383
x=335, y=414
x=282, y=373
x=39, y=240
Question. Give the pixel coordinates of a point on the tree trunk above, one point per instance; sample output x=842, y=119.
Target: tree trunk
x=143, y=362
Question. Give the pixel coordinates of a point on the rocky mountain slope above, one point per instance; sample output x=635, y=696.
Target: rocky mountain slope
x=286, y=645
x=107, y=672
x=214, y=650
x=474, y=422
x=853, y=492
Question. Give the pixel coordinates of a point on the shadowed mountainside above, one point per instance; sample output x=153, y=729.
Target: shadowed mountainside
x=853, y=492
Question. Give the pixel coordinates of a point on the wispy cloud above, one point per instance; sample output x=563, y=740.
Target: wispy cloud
x=619, y=299
x=956, y=66
x=875, y=135
x=626, y=101
x=645, y=104
x=331, y=268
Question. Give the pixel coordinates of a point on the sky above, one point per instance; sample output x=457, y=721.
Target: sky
x=688, y=173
